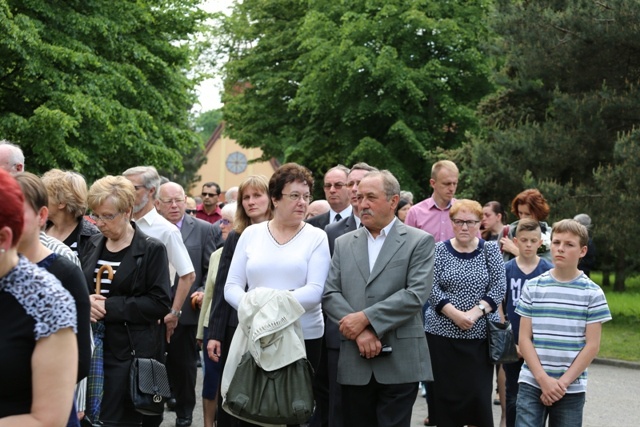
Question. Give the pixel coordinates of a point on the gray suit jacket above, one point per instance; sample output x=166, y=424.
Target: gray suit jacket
x=391, y=296
x=201, y=239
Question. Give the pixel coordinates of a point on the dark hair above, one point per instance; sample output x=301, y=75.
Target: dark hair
x=12, y=212
x=287, y=173
x=497, y=209
x=212, y=184
x=536, y=202
x=34, y=191
x=401, y=204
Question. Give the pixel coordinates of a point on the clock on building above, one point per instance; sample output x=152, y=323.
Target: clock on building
x=236, y=162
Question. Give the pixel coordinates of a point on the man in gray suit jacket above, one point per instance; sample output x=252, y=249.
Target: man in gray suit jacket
x=201, y=239
x=380, y=277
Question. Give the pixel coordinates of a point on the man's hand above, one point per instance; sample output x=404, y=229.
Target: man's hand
x=552, y=390
x=170, y=322
x=353, y=324
x=214, y=350
x=368, y=344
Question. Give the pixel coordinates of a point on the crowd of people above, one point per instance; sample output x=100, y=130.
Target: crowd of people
x=390, y=294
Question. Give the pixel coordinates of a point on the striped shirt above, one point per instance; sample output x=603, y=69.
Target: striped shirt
x=560, y=313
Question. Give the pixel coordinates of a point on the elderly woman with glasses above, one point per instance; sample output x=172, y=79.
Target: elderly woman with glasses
x=468, y=285
x=132, y=300
x=285, y=253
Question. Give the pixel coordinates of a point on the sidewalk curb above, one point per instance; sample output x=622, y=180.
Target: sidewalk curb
x=617, y=363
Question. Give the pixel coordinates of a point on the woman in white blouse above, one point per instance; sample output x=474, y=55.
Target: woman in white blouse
x=285, y=253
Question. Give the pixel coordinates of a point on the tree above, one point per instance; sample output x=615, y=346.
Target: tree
x=568, y=95
x=98, y=86
x=328, y=82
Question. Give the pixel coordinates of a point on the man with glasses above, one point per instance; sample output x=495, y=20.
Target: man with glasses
x=146, y=181
x=337, y=194
x=200, y=239
x=209, y=210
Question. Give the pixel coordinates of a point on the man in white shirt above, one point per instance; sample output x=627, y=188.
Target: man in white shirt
x=146, y=181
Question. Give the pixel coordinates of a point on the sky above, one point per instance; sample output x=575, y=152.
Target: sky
x=209, y=90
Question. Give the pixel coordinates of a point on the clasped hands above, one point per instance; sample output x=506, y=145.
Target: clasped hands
x=552, y=390
x=354, y=326
x=465, y=319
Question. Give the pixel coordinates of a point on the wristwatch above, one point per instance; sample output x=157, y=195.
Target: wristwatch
x=176, y=313
x=482, y=307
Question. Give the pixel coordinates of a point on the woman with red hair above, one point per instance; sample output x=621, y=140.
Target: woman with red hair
x=38, y=347
x=529, y=204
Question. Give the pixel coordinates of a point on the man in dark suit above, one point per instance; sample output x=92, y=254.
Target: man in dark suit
x=327, y=390
x=337, y=194
x=380, y=277
x=201, y=239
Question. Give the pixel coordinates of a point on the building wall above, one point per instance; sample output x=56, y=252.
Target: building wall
x=215, y=169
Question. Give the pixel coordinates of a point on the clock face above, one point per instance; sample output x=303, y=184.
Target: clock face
x=236, y=162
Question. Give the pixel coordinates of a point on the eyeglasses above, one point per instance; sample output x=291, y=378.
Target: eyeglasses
x=190, y=211
x=336, y=185
x=104, y=218
x=468, y=223
x=224, y=221
x=296, y=196
x=171, y=201
x=210, y=194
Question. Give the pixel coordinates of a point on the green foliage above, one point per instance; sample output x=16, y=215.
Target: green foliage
x=206, y=123
x=565, y=118
x=327, y=82
x=98, y=86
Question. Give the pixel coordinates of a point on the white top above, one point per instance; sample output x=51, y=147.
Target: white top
x=301, y=265
x=154, y=225
x=374, y=244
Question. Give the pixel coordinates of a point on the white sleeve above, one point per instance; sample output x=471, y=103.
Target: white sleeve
x=177, y=254
x=234, y=288
x=310, y=295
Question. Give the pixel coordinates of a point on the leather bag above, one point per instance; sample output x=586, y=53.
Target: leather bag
x=282, y=396
x=148, y=383
x=501, y=343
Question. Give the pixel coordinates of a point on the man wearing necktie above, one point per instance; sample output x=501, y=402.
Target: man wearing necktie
x=337, y=194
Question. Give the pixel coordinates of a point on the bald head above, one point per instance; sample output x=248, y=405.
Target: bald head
x=317, y=207
x=171, y=202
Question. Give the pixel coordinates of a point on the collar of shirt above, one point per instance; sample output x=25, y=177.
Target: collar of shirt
x=374, y=245
x=150, y=217
x=345, y=213
x=431, y=204
x=179, y=223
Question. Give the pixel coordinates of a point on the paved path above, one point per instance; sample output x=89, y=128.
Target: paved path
x=613, y=400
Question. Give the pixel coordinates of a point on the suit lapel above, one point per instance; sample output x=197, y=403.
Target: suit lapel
x=392, y=244
x=187, y=227
x=361, y=253
x=129, y=263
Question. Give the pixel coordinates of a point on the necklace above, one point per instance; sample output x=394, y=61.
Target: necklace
x=289, y=239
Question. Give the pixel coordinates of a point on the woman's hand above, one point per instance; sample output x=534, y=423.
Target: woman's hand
x=98, y=310
x=461, y=319
x=509, y=246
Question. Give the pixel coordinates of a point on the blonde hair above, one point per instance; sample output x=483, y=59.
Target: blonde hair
x=466, y=205
x=117, y=188
x=574, y=227
x=69, y=188
x=443, y=164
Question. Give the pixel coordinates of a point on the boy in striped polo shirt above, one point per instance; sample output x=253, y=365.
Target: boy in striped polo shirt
x=562, y=312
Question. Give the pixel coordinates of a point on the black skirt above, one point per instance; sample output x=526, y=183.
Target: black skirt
x=461, y=390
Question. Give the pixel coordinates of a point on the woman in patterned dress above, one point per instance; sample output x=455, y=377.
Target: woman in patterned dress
x=38, y=347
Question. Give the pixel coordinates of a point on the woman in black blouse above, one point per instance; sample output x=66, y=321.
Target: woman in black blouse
x=135, y=299
x=38, y=349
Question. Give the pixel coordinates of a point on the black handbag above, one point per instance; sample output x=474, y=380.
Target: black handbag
x=501, y=343
x=148, y=383
x=282, y=396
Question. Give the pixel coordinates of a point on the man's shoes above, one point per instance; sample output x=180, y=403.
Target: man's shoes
x=183, y=422
x=171, y=404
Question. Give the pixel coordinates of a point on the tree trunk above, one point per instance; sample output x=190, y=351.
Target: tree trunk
x=618, y=285
x=606, y=280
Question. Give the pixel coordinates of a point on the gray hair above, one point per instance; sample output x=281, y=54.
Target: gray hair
x=231, y=195
x=583, y=219
x=149, y=175
x=389, y=182
x=15, y=153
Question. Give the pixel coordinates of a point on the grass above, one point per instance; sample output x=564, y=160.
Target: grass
x=621, y=335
